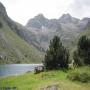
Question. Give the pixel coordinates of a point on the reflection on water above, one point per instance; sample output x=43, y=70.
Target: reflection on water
x=16, y=69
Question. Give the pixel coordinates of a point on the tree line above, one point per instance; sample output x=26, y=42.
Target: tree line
x=58, y=57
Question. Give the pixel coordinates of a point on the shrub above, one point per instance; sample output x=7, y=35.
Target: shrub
x=82, y=77
x=38, y=69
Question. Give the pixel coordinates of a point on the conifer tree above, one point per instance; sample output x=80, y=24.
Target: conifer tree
x=83, y=52
x=57, y=56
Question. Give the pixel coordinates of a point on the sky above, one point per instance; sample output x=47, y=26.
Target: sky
x=23, y=10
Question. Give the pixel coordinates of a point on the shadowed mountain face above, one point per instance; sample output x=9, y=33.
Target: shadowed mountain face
x=66, y=27
x=13, y=47
x=2, y=10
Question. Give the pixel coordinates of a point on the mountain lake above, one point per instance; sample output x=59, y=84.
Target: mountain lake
x=16, y=69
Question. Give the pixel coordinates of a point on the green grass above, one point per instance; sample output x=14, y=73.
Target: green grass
x=31, y=81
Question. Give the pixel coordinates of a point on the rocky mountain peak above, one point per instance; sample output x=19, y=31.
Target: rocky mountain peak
x=39, y=16
x=2, y=10
x=67, y=18
x=38, y=21
x=86, y=19
x=88, y=24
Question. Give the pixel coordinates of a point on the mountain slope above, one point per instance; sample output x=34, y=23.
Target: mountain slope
x=13, y=49
x=87, y=31
x=66, y=27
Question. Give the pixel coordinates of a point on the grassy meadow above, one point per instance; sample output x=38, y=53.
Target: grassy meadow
x=31, y=81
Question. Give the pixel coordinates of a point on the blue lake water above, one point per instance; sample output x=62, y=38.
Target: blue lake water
x=16, y=69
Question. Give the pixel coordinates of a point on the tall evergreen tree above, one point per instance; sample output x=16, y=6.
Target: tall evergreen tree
x=83, y=51
x=57, y=55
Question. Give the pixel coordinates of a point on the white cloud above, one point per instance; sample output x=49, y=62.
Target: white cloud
x=80, y=8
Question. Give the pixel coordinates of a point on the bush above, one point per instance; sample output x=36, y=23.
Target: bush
x=82, y=77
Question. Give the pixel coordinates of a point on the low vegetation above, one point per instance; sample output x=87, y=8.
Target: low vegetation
x=81, y=76
x=31, y=81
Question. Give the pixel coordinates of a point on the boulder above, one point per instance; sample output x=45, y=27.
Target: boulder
x=38, y=69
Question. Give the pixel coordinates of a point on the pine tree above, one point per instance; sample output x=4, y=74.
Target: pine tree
x=83, y=51
x=56, y=56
